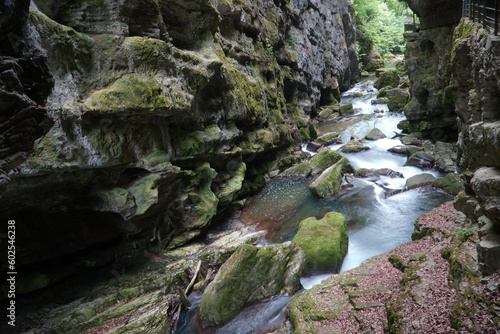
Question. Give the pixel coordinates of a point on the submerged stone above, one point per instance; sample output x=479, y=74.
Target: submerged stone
x=324, y=241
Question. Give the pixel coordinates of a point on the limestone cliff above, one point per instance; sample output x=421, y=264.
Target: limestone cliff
x=454, y=71
x=25, y=83
x=165, y=113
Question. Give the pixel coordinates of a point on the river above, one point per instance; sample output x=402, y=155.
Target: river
x=376, y=224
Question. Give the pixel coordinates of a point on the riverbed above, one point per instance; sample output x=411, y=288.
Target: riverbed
x=376, y=223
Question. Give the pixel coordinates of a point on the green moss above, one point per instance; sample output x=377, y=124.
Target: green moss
x=230, y=188
x=328, y=183
x=397, y=262
x=389, y=78
x=301, y=169
x=329, y=138
x=451, y=183
x=324, y=241
x=132, y=92
x=247, y=97
x=188, y=144
x=149, y=51
x=250, y=274
x=346, y=109
x=324, y=159
x=145, y=192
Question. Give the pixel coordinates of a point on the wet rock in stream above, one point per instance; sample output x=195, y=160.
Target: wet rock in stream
x=251, y=274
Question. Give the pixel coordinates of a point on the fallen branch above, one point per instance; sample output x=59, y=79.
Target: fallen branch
x=184, y=297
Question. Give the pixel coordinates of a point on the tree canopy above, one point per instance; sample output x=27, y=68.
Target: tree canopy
x=380, y=25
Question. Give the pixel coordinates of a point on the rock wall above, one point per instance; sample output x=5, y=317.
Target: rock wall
x=25, y=83
x=165, y=113
x=455, y=84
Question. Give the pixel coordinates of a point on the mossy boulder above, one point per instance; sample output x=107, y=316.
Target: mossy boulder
x=249, y=275
x=354, y=146
x=328, y=183
x=328, y=113
x=397, y=99
x=346, y=109
x=324, y=241
x=451, y=183
x=301, y=169
x=323, y=160
x=329, y=138
x=388, y=78
x=373, y=62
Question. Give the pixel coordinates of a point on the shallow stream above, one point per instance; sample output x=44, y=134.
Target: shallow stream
x=376, y=224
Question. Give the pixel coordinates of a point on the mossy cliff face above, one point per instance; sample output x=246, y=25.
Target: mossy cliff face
x=455, y=84
x=164, y=115
x=431, y=108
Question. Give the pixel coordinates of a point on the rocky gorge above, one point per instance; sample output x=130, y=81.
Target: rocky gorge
x=167, y=115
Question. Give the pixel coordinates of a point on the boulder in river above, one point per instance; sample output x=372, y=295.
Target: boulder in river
x=387, y=78
x=346, y=109
x=354, y=146
x=329, y=138
x=324, y=241
x=407, y=150
x=451, y=183
x=420, y=159
x=323, y=160
x=375, y=134
x=419, y=180
x=251, y=274
x=328, y=183
x=397, y=99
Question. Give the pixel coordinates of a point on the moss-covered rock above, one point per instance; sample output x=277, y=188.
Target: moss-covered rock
x=451, y=183
x=130, y=93
x=328, y=183
x=249, y=275
x=329, y=138
x=324, y=241
x=346, y=109
x=397, y=98
x=323, y=160
x=354, y=146
x=302, y=169
x=328, y=113
x=387, y=78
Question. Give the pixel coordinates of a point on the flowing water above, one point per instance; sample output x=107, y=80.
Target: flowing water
x=376, y=224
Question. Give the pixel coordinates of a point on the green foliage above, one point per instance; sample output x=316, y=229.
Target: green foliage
x=464, y=233
x=380, y=25
x=292, y=40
